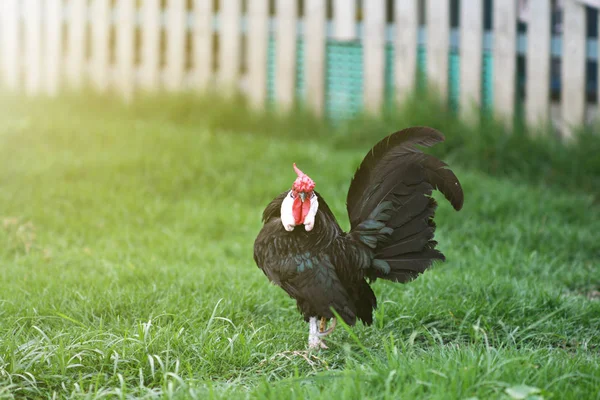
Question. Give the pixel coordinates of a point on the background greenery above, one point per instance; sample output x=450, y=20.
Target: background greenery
x=126, y=264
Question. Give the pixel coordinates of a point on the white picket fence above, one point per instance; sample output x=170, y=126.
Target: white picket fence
x=129, y=46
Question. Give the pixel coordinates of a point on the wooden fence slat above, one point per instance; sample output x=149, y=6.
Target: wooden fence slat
x=405, y=63
x=125, y=48
x=537, y=100
x=573, y=66
x=202, y=42
x=344, y=19
x=53, y=46
x=150, y=57
x=374, y=55
x=504, y=62
x=10, y=43
x=315, y=37
x=33, y=46
x=76, y=42
x=175, y=29
x=285, y=47
x=438, y=44
x=258, y=32
x=100, y=34
x=471, y=58
x=230, y=49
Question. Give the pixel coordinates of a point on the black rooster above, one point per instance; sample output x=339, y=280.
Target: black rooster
x=302, y=249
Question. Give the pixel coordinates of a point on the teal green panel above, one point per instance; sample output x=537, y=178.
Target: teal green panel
x=389, y=76
x=421, y=69
x=487, y=95
x=343, y=79
x=453, y=80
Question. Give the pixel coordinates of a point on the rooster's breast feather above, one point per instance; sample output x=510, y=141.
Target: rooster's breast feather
x=310, y=278
x=310, y=266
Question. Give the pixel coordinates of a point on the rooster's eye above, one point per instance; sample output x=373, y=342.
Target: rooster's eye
x=292, y=195
x=312, y=195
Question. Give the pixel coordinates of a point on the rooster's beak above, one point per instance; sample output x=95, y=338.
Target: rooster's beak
x=302, y=196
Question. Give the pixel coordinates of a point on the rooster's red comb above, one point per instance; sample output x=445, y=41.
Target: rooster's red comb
x=302, y=183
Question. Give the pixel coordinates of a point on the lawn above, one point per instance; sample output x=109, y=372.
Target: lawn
x=126, y=266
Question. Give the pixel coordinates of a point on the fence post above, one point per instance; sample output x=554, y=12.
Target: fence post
x=230, y=44
x=175, y=52
x=374, y=55
x=316, y=20
x=124, y=50
x=53, y=43
x=150, y=57
x=258, y=37
x=537, y=100
x=33, y=45
x=344, y=19
x=285, y=47
x=76, y=42
x=471, y=58
x=10, y=43
x=505, y=63
x=202, y=52
x=407, y=25
x=100, y=34
x=573, y=66
x=438, y=40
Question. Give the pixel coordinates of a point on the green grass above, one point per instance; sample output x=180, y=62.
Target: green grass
x=126, y=261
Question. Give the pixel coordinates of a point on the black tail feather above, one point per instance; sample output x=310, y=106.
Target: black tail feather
x=397, y=174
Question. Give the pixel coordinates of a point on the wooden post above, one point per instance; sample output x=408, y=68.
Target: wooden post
x=100, y=34
x=316, y=20
x=124, y=50
x=374, y=55
x=471, y=58
x=285, y=47
x=344, y=19
x=175, y=29
x=53, y=42
x=505, y=62
x=76, y=42
x=230, y=49
x=9, y=12
x=33, y=46
x=573, y=66
x=258, y=32
x=407, y=25
x=150, y=60
x=537, y=101
x=438, y=45
x=202, y=53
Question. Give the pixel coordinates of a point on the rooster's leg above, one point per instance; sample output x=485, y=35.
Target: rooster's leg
x=322, y=331
x=314, y=339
